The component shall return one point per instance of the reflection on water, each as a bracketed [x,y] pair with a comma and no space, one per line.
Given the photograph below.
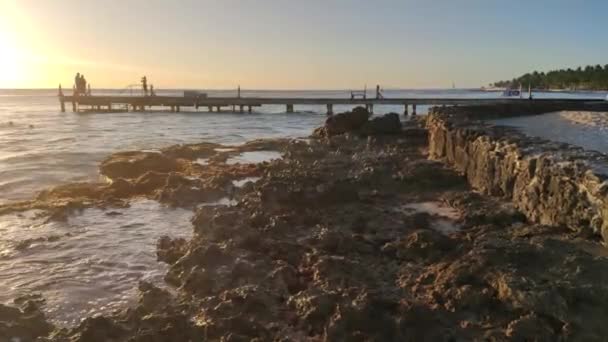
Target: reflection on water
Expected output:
[254,157]
[443,217]
[90,264]
[241,182]
[62,147]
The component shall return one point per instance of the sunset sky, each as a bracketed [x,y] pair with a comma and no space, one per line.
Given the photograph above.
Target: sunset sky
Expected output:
[283,44]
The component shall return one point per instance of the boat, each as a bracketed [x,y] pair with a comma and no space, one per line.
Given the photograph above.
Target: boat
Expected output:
[508,92]
[511,93]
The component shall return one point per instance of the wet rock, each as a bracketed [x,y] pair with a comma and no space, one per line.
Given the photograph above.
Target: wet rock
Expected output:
[150,182]
[26,325]
[367,317]
[121,187]
[136,164]
[314,308]
[386,124]
[530,327]
[549,184]
[170,250]
[344,122]
[422,244]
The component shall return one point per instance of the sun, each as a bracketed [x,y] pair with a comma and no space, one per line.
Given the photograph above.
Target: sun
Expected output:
[11,71]
[9,65]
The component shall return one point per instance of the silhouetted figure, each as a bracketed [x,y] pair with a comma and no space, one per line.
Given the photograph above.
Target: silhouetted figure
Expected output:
[144,85]
[152,93]
[77,83]
[89,89]
[239,92]
[81,84]
[378,92]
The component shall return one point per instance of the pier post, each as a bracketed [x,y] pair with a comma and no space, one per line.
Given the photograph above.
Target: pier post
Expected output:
[241,109]
[109,107]
[210,109]
[330,109]
[249,109]
[413,109]
[172,109]
[289,108]
[61,101]
[219,109]
[74,109]
[370,108]
[178,109]
[234,108]
[405,113]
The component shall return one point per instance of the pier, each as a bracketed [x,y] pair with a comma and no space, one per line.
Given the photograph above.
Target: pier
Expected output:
[246,104]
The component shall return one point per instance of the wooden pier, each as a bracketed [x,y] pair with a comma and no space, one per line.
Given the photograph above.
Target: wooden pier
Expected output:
[246,104]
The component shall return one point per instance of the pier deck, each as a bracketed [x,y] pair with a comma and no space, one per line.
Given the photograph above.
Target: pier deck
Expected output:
[175,103]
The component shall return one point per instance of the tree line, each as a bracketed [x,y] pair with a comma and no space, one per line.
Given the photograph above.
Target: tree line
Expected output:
[587,78]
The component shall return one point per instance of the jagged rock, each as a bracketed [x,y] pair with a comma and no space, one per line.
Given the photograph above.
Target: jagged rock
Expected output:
[386,124]
[170,250]
[136,164]
[23,325]
[549,185]
[344,122]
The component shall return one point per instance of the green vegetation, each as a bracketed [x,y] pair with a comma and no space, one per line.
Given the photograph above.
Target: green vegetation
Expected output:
[588,78]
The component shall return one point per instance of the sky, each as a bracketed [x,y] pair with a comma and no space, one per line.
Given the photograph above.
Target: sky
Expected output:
[285,44]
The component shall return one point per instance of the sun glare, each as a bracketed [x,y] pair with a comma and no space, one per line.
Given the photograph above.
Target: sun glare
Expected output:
[10,66]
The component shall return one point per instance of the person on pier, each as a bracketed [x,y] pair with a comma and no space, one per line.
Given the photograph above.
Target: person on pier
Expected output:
[152,93]
[378,93]
[77,83]
[144,85]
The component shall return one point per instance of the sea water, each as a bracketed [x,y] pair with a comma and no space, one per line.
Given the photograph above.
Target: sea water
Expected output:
[92,263]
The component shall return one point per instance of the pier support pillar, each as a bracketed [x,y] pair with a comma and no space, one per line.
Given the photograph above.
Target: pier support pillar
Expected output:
[172,109]
[74,109]
[234,108]
[330,109]
[405,113]
[241,109]
[370,108]
[210,109]
[178,109]
[249,109]
[219,109]
[62,106]
[289,108]
[109,107]
[413,109]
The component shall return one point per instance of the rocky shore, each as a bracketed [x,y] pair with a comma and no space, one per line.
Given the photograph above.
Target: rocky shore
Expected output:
[593,119]
[551,183]
[353,235]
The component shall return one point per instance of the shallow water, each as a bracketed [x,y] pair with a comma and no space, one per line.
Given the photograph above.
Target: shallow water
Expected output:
[443,217]
[241,182]
[575,128]
[90,264]
[64,147]
[254,157]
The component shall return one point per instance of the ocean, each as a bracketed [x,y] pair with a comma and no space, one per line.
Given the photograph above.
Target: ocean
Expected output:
[92,263]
